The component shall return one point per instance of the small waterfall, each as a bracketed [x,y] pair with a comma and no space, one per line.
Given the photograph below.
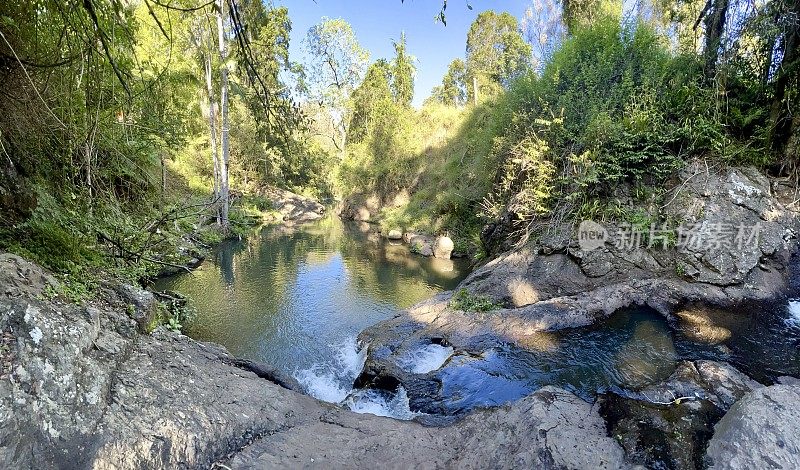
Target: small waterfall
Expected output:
[333,383]
[793,321]
[426,359]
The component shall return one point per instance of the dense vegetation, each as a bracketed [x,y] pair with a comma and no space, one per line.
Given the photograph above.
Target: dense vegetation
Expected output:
[611,110]
[128,128]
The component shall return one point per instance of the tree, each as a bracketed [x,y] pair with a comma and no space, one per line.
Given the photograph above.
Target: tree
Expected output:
[496,52]
[402,73]
[453,90]
[224,190]
[337,63]
[543,28]
[373,93]
[583,13]
[715,13]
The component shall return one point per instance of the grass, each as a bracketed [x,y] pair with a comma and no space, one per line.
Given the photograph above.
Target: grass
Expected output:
[466,301]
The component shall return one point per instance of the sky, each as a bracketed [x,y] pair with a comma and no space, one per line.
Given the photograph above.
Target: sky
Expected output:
[378,22]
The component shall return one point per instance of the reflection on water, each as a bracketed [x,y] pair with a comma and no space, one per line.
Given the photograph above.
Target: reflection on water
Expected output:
[291,298]
[630,350]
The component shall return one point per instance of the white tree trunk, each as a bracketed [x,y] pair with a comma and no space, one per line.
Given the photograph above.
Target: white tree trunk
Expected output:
[223,55]
[212,124]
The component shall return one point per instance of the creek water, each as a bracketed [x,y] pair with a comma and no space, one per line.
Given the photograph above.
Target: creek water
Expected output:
[298,298]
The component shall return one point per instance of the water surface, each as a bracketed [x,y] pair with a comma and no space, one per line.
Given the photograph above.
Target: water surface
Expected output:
[295,297]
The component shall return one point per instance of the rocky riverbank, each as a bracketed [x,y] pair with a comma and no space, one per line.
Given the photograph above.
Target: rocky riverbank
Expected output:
[82,387]
[555,283]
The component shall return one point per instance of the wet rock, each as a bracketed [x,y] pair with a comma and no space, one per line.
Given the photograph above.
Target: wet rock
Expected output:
[660,436]
[761,430]
[669,424]
[443,247]
[717,382]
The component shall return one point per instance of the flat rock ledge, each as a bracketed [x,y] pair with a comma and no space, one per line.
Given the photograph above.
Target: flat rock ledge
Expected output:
[80,387]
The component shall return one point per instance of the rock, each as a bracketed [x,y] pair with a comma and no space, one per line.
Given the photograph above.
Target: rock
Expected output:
[85,389]
[144,303]
[420,244]
[443,247]
[660,436]
[395,234]
[550,429]
[725,382]
[294,208]
[761,430]
[360,207]
[19,277]
[670,423]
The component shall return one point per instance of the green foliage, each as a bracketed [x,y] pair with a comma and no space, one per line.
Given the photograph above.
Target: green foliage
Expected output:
[75,288]
[453,90]
[465,301]
[402,73]
[496,52]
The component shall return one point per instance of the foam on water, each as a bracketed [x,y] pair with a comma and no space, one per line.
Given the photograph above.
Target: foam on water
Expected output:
[332,382]
[381,403]
[793,321]
[426,359]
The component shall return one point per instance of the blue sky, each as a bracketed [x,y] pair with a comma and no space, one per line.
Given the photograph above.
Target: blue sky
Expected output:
[377,22]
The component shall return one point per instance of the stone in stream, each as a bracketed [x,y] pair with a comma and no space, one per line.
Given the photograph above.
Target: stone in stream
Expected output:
[647,357]
[443,247]
[670,423]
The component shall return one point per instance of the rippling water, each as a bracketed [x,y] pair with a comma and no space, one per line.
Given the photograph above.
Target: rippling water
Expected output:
[298,298]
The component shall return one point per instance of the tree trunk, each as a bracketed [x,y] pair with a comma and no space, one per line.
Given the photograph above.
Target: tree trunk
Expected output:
[212,124]
[715,26]
[163,174]
[780,114]
[223,55]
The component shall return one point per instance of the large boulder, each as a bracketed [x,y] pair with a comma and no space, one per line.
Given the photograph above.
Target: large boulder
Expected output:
[728,229]
[761,430]
[294,208]
[19,277]
[443,247]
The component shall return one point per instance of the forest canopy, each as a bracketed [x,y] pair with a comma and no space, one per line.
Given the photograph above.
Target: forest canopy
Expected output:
[113,114]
